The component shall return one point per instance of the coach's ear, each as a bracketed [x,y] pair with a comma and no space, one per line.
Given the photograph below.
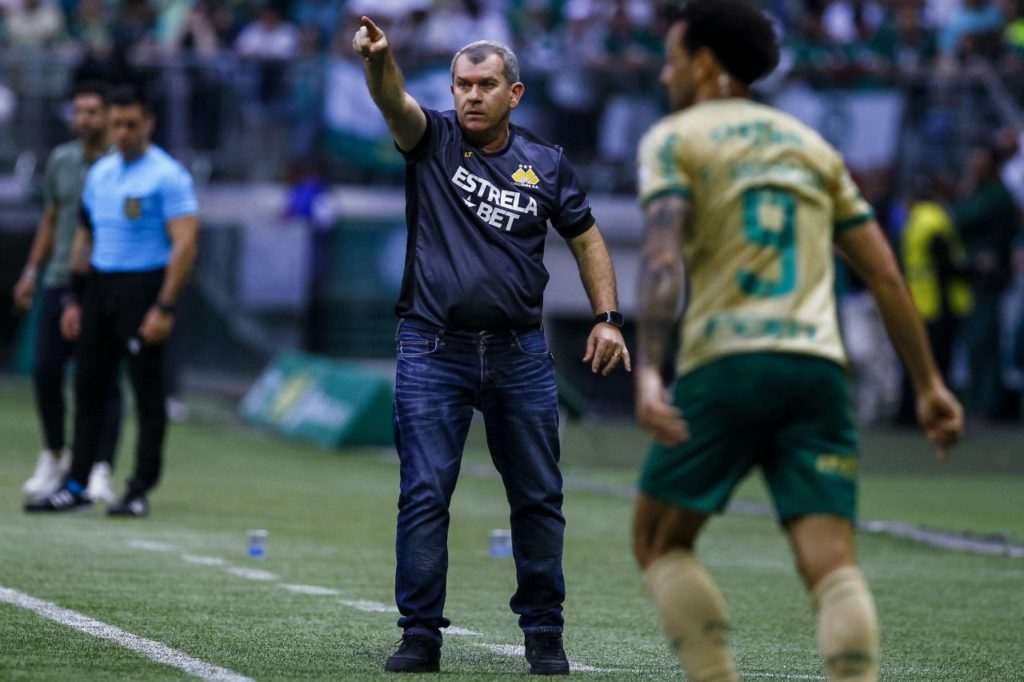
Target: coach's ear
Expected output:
[517,94]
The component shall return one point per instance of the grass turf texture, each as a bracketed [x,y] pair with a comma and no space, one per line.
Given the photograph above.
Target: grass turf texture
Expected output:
[944,616]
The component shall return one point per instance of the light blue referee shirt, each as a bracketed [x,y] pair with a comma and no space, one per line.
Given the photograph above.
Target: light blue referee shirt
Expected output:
[128,205]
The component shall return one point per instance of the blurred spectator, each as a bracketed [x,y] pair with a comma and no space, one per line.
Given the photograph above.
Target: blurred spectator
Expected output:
[935,264]
[454,23]
[574,88]
[198,34]
[1013,34]
[849,21]
[91,28]
[33,24]
[630,63]
[305,94]
[973,28]
[538,58]
[986,219]
[322,15]
[905,41]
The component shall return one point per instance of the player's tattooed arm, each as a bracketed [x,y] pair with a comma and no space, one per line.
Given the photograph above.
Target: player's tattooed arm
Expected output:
[662,278]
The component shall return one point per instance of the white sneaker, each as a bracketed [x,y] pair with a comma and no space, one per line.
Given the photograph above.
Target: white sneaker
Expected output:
[100,488]
[48,474]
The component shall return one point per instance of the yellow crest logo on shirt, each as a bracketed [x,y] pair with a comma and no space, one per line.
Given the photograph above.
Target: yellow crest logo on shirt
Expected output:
[467,154]
[525,177]
[132,208]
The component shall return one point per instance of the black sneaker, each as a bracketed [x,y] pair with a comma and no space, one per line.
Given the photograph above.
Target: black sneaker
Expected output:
[130,505]
[61,501]
[546,655]
[416,654]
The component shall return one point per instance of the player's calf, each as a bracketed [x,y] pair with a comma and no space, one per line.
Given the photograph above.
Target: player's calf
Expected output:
[847,626]
[693,615]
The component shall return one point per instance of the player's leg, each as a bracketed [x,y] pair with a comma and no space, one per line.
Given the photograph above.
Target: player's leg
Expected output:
[812,474]
[101,487]
[847,623]
[145,373]
[52,354]
[97,357]
[680,488]
[692,611]
[133,296]
[520,409]
[434,389]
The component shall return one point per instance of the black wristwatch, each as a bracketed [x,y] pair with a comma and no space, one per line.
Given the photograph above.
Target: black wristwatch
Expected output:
[612,317]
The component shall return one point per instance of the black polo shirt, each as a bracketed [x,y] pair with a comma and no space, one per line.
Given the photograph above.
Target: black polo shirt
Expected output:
[477,224]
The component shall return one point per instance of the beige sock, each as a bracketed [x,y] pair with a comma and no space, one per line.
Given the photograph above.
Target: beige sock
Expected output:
[693,616]
[847,626]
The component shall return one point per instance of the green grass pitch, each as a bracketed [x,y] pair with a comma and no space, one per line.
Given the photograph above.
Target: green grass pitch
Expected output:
[330,516]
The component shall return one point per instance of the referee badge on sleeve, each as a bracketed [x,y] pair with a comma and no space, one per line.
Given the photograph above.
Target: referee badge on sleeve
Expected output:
[132,208]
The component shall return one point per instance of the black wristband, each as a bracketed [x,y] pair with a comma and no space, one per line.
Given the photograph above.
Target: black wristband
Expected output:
[164,307]
[78,284]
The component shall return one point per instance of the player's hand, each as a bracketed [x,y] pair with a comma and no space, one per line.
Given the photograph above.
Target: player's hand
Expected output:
[655,413]
[369,41]
[941,416]
[156,326]
[24,290]
[606,348]
[71,321]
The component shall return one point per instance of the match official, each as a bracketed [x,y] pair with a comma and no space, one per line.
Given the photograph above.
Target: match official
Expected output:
[131,257]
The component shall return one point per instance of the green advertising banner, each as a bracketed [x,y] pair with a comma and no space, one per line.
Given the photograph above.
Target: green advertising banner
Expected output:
[327,402]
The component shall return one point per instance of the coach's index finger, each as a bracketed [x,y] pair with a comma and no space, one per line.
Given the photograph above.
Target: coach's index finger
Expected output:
[373,31]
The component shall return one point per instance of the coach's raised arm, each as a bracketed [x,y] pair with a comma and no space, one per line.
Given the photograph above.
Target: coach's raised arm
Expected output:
[387,86]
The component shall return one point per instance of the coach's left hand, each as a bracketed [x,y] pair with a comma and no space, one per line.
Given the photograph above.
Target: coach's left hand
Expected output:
[606,348]
[157,326]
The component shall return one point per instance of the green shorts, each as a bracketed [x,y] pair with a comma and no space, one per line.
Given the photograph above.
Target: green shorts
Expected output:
[790,414]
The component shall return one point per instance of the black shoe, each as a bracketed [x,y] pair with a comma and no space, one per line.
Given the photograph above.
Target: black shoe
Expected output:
[130,505]
[416,654]
[546,655]
[61,501]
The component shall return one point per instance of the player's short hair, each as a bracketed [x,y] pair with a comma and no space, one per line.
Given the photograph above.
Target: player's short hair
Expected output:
[740,36]
[482,49]
[128,96]
[92,88]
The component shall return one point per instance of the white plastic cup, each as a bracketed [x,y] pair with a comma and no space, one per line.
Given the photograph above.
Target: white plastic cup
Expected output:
[257,543]
[500,543]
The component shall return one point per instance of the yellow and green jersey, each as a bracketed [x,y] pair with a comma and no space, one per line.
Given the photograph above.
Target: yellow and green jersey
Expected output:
[766,195]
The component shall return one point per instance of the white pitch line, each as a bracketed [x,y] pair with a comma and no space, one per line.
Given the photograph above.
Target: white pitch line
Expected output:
[150,546]
[154,651]
[369,606]
[203,560]
[252,573]
[518,651]
[456,630]
[785,676]
[311,589]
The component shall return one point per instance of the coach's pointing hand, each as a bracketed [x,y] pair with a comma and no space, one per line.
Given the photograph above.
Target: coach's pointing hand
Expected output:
[369,40]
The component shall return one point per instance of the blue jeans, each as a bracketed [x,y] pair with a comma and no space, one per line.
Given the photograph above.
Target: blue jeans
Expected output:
[442,376]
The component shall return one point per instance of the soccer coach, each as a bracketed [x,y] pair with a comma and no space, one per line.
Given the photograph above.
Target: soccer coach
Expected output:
[138,237]
[480,194]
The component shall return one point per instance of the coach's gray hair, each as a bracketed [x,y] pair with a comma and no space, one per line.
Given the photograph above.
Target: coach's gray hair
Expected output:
[482,49]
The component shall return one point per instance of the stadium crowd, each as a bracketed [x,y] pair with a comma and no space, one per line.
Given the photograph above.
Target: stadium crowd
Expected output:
[233,76]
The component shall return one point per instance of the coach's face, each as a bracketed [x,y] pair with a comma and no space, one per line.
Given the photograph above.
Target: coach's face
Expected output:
[89,116]
[130,128]
[484,99]
[677,74]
